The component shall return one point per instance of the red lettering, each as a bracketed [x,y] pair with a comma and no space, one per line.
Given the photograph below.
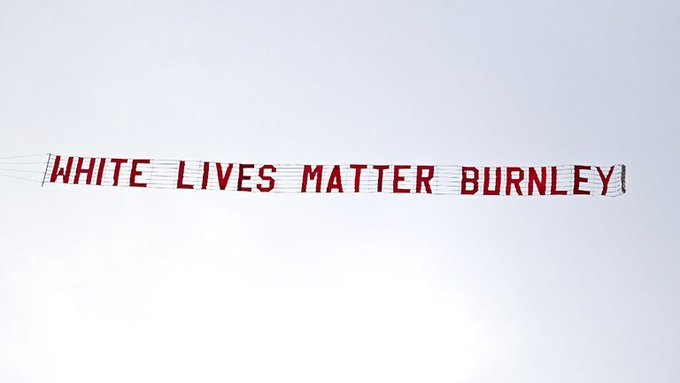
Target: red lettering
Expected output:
[510,181]
[553,186]
[267,178]
[422,180]
[180,177]
[80,170]
[64,173]
[578,180]
[100,170]
[116,170]
[206,174]
[466,180]
[334,182]
[535,181]
[487,176]
[380,169]
[223,178]
[357,175]
[242,177]
[397,178]
[134,173]
[605,179]
[309,174]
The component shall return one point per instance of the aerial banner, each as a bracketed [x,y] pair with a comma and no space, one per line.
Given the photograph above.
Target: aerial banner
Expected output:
[558,180]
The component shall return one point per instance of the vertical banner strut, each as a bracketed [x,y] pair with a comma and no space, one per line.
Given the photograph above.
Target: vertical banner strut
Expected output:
[47,166]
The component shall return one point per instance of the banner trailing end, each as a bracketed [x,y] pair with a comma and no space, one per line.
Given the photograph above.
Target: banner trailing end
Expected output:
[623,179]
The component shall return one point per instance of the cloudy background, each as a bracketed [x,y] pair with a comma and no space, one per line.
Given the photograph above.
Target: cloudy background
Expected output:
[111,285]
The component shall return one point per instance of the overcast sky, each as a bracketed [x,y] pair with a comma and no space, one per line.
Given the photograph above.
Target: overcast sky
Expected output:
[134,285]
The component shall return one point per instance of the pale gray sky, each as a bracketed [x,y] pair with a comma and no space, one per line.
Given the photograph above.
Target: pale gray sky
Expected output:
[111,285]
